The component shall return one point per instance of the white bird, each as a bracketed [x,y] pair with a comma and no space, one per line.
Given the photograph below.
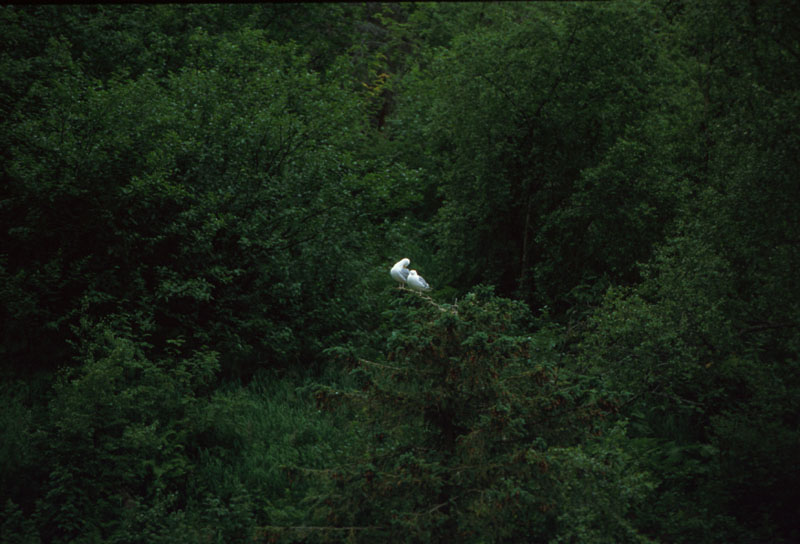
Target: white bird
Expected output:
[415,281]
[399,271]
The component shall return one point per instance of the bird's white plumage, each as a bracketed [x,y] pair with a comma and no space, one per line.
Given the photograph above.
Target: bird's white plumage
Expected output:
[399,271]
[415,281]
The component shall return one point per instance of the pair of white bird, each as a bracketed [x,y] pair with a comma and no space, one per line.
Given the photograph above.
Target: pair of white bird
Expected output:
[405,276]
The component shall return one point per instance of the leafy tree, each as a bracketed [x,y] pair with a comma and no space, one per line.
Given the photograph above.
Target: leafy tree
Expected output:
[117,432]
[538,124]
[222,227]
[192,195]
[706,346]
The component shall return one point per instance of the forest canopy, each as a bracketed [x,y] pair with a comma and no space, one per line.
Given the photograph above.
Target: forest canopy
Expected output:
[200,340]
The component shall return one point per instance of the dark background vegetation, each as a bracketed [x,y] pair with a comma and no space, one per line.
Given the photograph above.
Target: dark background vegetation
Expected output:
[200,340]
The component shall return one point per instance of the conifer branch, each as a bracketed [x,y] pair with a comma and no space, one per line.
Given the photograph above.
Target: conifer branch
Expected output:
[390,367]
[451,309]
[300,528]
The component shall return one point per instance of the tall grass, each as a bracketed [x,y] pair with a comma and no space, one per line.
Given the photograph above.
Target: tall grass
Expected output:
[257,437]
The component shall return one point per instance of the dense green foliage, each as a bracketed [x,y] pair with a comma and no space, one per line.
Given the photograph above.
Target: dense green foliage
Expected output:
[474,430]
[199,338]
